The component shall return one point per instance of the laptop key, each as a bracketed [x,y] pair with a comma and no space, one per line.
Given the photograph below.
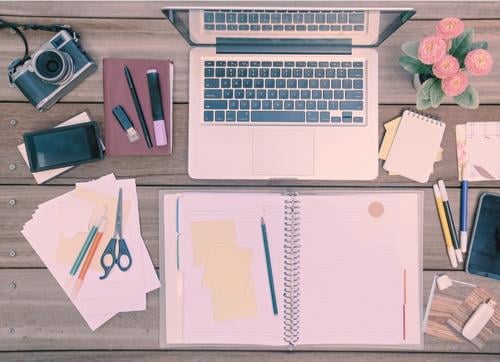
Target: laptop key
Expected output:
[357,18]
[342,18]
[216,104]
[333,105]
[230,116]
[209,27]
[209,72]
[208,17]
[231,18]
[277,116]
[324,116]
[233,104]
[267,104]
[243,116]
[228,93]
[358,119]
[211,83]
[355,73]
[219,116]
[358,84]
[312,116]
[353,94]
[213,93]
[358,28]
[225,83]
[208,116]
[351,105]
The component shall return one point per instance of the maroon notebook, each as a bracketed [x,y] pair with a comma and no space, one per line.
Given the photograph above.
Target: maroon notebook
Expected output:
[117,92]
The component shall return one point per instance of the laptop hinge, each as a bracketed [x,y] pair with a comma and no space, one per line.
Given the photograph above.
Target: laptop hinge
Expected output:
[283,46]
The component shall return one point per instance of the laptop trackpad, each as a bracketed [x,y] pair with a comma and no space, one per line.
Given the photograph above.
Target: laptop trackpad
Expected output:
[287,153]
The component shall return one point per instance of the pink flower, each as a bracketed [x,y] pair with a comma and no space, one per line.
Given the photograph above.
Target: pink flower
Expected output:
[479,62]
[455,85]
[431,49]
[446,67]
[449,28]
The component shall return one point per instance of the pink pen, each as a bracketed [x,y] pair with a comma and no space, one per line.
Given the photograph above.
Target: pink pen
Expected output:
[157,107]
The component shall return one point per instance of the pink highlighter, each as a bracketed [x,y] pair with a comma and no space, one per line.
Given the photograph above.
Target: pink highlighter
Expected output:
[157,107]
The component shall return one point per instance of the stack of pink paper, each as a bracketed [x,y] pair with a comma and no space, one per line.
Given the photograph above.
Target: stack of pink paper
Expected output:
[58,229]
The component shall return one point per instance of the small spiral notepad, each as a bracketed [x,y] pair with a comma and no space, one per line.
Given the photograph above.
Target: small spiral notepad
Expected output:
[417,141]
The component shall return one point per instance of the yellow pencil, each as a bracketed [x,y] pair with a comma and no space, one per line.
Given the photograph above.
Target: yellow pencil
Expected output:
[444,226]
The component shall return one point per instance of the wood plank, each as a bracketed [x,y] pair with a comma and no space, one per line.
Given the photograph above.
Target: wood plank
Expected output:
[151,9]
[158,39]
[43,318]
[161,170]
[227,356]
[28,197]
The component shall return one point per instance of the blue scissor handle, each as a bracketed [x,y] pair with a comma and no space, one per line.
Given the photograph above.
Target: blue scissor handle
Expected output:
[110,250]
[123,253]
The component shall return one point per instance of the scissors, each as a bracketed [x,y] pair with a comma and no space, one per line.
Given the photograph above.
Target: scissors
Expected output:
[109,257]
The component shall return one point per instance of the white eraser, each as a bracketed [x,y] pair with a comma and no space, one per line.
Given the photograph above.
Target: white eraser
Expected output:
[443,282]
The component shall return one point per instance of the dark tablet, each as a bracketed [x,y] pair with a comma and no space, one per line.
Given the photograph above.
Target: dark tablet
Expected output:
[63,146]
[484,252]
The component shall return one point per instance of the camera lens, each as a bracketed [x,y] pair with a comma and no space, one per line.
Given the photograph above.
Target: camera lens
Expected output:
[52,66]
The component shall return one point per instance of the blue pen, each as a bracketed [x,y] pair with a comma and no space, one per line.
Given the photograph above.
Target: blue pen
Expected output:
[464,190]
[269,266]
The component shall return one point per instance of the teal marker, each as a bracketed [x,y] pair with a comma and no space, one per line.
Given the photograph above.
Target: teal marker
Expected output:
[269,266]
[88,241]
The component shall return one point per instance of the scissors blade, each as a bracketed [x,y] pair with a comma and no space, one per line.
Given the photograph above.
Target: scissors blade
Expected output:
[118,223]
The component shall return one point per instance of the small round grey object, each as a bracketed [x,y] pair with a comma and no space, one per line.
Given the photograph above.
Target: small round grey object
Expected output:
[12,166]
[12,286]
[12,31]
[13,122]
[12,202]
[12,330]
[12,253]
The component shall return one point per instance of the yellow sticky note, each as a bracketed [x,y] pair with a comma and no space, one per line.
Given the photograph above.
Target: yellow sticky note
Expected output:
[390,131]
[227,267]
[229,305]
[205,232]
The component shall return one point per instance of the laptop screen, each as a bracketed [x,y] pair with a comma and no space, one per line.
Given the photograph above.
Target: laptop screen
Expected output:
[301,23]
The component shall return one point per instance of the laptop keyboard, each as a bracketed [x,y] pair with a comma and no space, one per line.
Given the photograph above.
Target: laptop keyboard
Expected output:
[281,20]
[284,92]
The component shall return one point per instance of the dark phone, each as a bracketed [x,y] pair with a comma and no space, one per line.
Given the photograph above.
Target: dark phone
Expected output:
[63,146]
[484,253]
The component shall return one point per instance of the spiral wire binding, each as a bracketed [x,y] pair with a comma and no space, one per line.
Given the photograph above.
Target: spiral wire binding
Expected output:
[292,271]
[426,117]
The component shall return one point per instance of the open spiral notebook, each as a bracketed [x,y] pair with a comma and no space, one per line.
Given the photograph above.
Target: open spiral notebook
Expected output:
[347,269]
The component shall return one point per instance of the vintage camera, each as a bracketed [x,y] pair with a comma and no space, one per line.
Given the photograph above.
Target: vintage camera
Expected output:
[53,71]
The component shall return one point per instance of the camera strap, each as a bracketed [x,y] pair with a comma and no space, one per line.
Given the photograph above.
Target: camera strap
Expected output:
[18,27]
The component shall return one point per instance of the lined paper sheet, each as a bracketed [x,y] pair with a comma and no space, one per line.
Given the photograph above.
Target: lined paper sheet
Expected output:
[353,268]
[246,211]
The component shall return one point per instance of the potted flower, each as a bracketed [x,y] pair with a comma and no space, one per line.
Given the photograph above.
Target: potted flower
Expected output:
[442,63]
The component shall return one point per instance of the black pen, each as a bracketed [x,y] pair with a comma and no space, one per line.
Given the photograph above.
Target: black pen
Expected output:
[138,107]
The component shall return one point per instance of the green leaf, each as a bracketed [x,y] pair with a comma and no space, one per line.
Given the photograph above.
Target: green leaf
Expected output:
[410,48]
[461,44]
[468,99]
[436,94]
[413,65]
[423,103]
[479,45]
[423,94]
[425,90]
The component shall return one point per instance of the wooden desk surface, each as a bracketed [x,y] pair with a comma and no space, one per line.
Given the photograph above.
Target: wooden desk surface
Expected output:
[36,319]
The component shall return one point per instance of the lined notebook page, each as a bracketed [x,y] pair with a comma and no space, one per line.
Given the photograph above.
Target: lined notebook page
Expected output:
[353,268]
[415,146]
[246,210]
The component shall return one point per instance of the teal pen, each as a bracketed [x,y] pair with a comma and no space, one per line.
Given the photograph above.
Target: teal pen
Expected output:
[88,241]
[269,266]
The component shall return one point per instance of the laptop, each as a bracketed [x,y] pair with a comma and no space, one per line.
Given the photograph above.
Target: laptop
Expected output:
[283,91]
